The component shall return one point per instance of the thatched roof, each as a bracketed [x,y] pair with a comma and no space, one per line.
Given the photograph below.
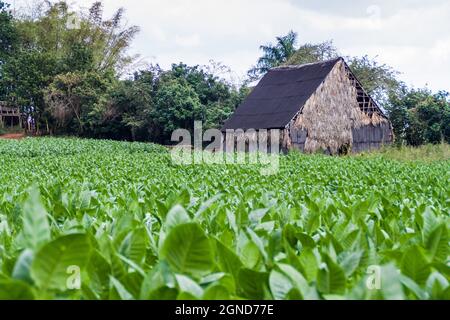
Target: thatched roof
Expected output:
[283,92]
[279,96]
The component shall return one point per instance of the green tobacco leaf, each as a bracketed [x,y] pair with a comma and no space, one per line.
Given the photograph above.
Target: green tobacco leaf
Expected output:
[159,281]
[415,265]
[121,291]
[22,267]
[188,250]
[258,242]
[350,261]
[216,292]
[280,285]
[437,244]
[252,284]
[52,263]
[36,229]
[229,262]
[206,206]
[309,264]
[98,270]
[134,246]
[413,287]
[391,287]
[331,278]
[15,290]
[437,286]
[187,285]
[287,283]
[430,223]
[176,216]
[256,216]
[250,255]
[306,241]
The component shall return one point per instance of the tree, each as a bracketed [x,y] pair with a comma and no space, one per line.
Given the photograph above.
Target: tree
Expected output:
[132,101]
[25,77]
[377,79]
[53,56]
[8,33]
[310,53]
[419,116]
[218,97]
[177,106]
[274,55]
[78,101]
[59,30]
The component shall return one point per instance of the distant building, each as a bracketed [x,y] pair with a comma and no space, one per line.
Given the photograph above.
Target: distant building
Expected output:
[319,107]
[9,117]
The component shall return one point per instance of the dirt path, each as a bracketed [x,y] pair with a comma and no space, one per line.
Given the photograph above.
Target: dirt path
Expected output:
[13,136]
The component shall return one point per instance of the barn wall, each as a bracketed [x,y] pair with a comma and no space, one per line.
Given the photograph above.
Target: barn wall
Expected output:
[369,137]
[298,138]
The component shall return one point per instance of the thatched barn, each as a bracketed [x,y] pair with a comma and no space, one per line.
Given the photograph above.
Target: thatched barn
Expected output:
[318,107]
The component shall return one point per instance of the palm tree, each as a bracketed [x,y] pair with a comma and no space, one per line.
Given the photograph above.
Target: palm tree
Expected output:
[274,55]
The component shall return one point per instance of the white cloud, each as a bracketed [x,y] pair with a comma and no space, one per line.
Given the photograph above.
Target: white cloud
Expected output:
[441,51]
[188,41]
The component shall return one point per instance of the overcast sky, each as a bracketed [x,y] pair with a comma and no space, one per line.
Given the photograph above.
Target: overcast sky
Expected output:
[413,36]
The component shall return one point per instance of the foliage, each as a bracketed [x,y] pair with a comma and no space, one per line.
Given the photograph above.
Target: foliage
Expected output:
[58,49]
[377,79]
[424,153]
[78,101]
[419,116]
[75,37]
[177,105]
[185,94]
[8,33]
[132,104]
[128,224]
[310,53]
[26,75]
[67,77]
[274,55]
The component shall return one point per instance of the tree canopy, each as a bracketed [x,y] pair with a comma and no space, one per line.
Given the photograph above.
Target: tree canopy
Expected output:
[274,55]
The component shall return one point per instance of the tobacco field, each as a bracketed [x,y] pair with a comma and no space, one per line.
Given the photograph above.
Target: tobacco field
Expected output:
[85,219]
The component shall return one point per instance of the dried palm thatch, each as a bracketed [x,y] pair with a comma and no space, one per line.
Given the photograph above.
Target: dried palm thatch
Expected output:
[331,130]
[375,119]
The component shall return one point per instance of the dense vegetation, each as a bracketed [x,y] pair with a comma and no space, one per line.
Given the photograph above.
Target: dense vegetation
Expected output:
[65,70]
[134,226]
[71,73]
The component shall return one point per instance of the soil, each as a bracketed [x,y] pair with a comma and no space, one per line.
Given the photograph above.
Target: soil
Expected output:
[13,136]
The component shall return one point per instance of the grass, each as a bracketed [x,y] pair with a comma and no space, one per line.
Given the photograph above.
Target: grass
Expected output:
[425,153]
